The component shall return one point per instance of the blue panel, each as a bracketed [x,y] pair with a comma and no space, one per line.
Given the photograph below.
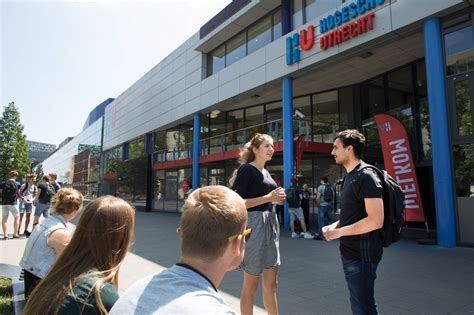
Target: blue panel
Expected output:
[285,17]
[125,149]
[441,146]
[148,143]
[288,155]
[196,140]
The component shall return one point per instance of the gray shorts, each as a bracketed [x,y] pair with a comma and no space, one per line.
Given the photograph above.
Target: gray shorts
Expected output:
[296,212]
[42,209]
[262,249]
[10,208]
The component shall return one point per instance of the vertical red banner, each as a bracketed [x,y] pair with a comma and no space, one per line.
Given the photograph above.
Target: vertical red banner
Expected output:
[399,164]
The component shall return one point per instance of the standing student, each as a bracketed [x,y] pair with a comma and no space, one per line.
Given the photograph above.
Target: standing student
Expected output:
[42,201]
[362,216]
[9,204]
[306,197]
[255,185]
[325,198]
[84,279]
[27,195]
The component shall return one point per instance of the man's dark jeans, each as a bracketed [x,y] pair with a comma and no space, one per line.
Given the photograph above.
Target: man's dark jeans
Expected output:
[322,212]
[360,278]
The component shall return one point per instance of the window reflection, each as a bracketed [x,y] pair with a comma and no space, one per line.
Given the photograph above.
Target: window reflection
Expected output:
[463,108]
[236,49]
[463,166]
[259,34]
[459,50]
[325,116]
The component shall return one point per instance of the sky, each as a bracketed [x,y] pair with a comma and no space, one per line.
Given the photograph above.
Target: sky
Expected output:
[60,59]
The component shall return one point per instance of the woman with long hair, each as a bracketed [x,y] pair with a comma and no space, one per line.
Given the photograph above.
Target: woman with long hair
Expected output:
[49,238]
[262,255]
[84,279]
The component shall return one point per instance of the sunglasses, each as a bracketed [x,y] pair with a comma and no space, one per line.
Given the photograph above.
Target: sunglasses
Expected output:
[246,234]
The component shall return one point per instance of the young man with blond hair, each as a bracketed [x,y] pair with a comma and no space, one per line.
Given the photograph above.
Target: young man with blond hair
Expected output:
[213,232]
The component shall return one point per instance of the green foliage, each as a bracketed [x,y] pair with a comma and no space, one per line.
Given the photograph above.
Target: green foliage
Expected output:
[6,294]
[39,172]
[13,147]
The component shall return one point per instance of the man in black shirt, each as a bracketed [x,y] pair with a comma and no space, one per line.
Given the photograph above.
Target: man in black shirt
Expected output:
[361,218]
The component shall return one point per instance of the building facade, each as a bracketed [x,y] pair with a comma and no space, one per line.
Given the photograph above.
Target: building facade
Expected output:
[39,151]
[300,70]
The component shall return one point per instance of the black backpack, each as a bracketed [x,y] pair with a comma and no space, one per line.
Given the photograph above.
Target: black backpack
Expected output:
[393,206]
[50,192]
[9,192]
[292,197]
[328,194]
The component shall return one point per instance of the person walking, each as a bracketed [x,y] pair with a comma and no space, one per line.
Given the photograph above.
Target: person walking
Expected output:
[53,177]
[294,196]
[213,232]
[27,195]
[49,238]
[325,199]
[9,204]
[362,216]
[84,279]
[262,256]
[42,201]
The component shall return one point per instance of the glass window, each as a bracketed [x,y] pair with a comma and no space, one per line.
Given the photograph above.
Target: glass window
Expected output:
[216,60]
[463,108]
[315,8]
[158,190]
[325,116]
[423,110]
[234,126]
[259,34]
[236,49]
[297,14]
[273,112]
[277,24]
[217,129]
[172,144]
[136,148]
[254,119]
[346,105]
[463,166]
[171,191]
[302,123]
[459,50]
[373,98]
[186,140]
[132,181]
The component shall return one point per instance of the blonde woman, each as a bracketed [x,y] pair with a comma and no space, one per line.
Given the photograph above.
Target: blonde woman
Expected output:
[262,255]
[49,238]
[84,279]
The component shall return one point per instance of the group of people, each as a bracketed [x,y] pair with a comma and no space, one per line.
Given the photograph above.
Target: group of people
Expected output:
[23,199]
[221,229]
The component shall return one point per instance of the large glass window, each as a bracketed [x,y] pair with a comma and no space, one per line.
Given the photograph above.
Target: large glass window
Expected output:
[459,46]
[373,98]
[302,124]
[186,140]
[216,60]
[346,105]
[325,116]
[136,148]
[463,107]
[234,125]
[276,24]
[297,14]
[172,143]
[254,117]
[236,49]
[274,115]
[217,128]
[315,8]
[260,34]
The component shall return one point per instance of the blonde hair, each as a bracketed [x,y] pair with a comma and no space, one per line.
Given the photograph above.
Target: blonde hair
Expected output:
[13,174]
[246,154]
[99,244]
[210,215]
[66,200]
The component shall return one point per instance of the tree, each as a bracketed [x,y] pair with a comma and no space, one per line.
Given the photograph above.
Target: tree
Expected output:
[39,172]
[13,147]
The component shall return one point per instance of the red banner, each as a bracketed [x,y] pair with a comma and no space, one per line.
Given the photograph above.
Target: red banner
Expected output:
[399,164]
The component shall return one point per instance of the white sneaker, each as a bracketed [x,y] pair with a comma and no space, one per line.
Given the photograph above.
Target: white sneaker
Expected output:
[294,235]
[308,235]
[302,234]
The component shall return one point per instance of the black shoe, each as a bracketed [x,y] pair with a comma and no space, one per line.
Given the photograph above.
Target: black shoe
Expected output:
[27,233]
[317,237]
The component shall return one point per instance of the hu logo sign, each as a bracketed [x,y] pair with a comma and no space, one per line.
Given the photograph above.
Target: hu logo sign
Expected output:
[304,40]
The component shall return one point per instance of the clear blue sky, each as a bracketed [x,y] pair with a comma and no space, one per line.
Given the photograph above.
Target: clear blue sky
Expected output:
[59,59]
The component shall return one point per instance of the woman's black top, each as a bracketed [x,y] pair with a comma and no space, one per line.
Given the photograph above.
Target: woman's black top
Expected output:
[251,183]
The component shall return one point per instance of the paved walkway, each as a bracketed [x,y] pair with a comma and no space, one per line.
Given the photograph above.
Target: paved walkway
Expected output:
[412,278]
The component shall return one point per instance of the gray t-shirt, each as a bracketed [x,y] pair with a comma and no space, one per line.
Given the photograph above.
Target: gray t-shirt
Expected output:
[321,190]
[177,290]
